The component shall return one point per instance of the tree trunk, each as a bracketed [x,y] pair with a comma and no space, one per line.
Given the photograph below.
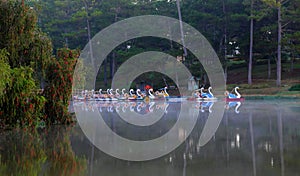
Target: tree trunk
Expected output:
[225,41]
[112,65]
[225,72]
[251,47]
[89,40]
[269,68]
[292,62]
[181,28]
[278,82]
[171,39]
[113,58]
[67,42]
[105,72]
[205,79]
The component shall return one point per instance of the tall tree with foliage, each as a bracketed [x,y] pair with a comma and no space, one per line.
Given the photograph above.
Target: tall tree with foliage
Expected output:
[291,39]
[257,12]
[27,51]
[25,62]
[251,45]
[279,22]
[19,32]
[21,37]
[281,11]
[59,88]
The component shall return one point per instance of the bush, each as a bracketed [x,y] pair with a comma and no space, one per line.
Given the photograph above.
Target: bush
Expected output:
[247,86]
[295,88]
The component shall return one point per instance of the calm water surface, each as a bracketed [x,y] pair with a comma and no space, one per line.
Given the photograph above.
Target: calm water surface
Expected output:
[253,138]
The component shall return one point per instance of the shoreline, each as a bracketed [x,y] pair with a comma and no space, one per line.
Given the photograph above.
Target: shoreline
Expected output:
[271,97]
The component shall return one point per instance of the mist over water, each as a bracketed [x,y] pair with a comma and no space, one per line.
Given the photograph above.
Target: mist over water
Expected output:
[253,138]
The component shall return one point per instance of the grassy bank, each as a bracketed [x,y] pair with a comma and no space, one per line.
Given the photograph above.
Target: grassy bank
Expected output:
[262,86]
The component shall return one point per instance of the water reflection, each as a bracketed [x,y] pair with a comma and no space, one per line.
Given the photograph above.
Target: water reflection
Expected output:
[39,152]
[145,107]
[263,138]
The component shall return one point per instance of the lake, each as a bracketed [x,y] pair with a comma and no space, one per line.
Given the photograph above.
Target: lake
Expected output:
[197,138]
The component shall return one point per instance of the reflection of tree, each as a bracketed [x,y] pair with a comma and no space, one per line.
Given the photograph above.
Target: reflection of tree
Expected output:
[265,137]
[33,153]
[21,153]
[60,156]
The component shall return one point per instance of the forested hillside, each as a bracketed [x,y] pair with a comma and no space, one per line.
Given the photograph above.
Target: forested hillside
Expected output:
[235,28]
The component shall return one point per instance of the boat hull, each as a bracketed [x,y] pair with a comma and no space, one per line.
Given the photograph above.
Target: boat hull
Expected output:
[234,99]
